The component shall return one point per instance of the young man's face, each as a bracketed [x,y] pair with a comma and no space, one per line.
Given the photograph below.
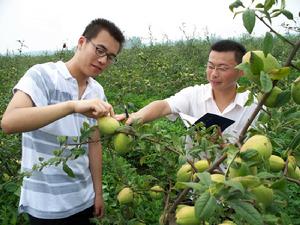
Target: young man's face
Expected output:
[98,53]
[220,71]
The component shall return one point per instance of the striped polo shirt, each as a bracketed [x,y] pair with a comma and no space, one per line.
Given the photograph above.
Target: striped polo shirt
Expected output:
[51,193]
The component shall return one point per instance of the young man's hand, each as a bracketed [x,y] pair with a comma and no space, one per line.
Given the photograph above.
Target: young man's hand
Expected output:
[93,108]
[99,206]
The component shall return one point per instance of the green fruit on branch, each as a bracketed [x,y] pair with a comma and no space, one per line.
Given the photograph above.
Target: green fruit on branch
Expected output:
[156,192]
[297,173]
[186,216]
[248,181]
[292,164]
[263,195]
[276,163]
[270,62]
[217,178]
[272,100]
[184,174]
[201,165]
[261,144]
[125,196]
[122,143]
[107,125]
[296,91]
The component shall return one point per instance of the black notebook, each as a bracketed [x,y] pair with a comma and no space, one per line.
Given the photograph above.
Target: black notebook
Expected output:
[209,119]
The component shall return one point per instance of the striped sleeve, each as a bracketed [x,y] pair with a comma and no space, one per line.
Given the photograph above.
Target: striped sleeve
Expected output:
[36,84]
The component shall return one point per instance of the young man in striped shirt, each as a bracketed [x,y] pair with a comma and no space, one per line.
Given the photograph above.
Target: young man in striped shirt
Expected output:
[54,99]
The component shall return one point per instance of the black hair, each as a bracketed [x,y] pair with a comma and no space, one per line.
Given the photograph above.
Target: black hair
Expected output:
[95,26]
[230,46]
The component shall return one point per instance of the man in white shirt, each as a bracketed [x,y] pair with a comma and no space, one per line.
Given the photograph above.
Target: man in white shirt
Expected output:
[219,96]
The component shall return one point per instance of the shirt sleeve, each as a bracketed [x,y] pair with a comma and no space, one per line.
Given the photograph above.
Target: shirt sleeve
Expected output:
[35,84]
[180,102]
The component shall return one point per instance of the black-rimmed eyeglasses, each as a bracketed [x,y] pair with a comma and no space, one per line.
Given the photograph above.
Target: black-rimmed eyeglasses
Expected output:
[101,51]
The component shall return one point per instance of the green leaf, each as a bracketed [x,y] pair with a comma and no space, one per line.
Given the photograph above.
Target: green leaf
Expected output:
[283,98]
[287,14]
[267,43]
[279,74]
[295,142]
[204,178]
[268,4]
[249,20]
[280,185]
[250,99]
[259,5]
[62,139]
[235,185]
[236,4]
[241,89]
[205,206]
[68,170]
[266,82]
[275,13]
[267,15]
[245,67]
[249,154]
[286,220]
[265,175]
[195,186]
[256,63]
[247,212]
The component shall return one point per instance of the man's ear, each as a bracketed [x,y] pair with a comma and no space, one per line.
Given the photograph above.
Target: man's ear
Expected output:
[80,42]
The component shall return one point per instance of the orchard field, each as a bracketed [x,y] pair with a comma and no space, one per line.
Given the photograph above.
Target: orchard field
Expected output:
[156,71]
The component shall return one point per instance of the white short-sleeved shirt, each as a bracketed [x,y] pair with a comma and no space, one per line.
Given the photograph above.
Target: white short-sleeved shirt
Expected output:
[198,100]
[51,193]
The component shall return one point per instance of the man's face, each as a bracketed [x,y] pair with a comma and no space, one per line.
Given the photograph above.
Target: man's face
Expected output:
[97,54]
[220,71]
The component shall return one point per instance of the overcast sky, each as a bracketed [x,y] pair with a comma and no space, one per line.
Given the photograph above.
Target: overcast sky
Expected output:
[47,24]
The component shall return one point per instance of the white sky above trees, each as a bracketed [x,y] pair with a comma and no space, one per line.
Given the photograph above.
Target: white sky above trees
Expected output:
[47,24]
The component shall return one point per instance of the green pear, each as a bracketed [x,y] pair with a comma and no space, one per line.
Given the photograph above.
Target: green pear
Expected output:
[122,143]
[201,165]
[107,125]
[156,192]
[263,195]
[276,163]
[261,144]
[296,91]
[272,100]
[186,216]
[125,196]
[184,174]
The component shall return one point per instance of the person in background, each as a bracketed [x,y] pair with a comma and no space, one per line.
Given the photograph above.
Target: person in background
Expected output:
[219,96]
[55,99]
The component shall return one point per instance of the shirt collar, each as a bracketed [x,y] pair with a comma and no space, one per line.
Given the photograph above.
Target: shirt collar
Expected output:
[208,93]
[240,98]
[66,73]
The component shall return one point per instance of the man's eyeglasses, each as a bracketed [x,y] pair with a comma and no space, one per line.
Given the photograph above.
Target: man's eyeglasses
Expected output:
[102,52]
[221,69]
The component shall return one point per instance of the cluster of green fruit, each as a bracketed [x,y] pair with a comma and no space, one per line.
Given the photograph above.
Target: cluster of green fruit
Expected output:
[126,195]
[259,62]
[258,149]
[185,215]
[108,126]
